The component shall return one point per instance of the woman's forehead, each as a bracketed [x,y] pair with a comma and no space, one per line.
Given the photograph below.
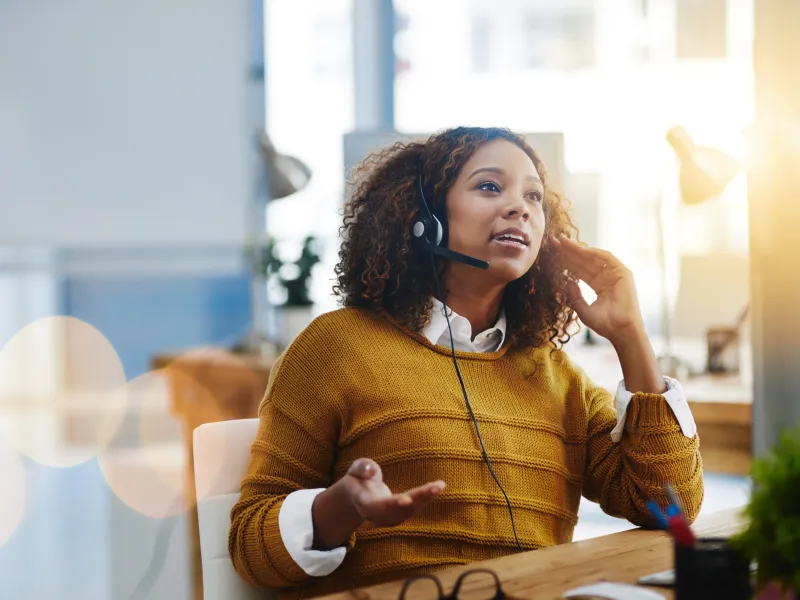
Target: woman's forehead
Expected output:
[503,158]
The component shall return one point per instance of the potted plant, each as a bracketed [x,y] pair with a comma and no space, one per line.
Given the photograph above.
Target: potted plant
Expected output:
[772,536]
[292,279]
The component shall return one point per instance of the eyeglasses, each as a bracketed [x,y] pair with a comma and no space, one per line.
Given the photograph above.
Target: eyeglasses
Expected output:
[475,574]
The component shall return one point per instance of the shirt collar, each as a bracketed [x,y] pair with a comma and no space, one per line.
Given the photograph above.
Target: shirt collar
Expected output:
[435,330]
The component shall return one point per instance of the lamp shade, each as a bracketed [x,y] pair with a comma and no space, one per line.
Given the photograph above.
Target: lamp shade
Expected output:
[286,175]
[704,172]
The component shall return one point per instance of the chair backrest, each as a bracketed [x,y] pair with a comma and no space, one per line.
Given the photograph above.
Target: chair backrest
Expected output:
[221,457]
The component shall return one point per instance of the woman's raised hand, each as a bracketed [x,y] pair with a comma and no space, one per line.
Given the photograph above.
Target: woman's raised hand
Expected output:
[615,314]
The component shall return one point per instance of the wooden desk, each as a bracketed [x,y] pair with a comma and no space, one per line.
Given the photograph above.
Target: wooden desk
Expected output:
[210,385]
[546,574]
[723,410]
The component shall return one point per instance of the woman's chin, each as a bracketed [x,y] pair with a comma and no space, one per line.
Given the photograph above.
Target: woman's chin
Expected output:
[504,267]
[508,270]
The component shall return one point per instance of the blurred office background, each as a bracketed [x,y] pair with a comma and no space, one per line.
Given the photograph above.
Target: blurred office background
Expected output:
[133,188]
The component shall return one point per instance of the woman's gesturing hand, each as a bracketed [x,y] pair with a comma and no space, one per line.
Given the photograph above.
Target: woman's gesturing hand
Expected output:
[375,502]
[361,495]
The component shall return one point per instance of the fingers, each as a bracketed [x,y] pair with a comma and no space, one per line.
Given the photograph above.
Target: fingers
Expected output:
[580,268]
[585,310]
[365,468]
[577,259]
[425,493]
[594,257]
[394,509]
[594,266]
[576,299]
[575,247]
[387,512]
[414,499]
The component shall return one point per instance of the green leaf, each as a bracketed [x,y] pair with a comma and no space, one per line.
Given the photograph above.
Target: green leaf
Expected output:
[772,536]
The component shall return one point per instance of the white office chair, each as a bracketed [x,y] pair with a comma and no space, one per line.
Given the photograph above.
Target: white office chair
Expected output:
[221,457]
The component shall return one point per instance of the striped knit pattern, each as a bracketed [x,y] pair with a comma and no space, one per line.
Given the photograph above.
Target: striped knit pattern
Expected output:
[354,384]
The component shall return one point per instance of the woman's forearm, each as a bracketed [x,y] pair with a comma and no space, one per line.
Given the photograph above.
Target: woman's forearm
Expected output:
[335,518]
[638,361]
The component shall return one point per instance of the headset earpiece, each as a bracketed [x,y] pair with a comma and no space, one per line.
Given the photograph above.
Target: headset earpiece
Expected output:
[427,227]
[428,230]
[431,232]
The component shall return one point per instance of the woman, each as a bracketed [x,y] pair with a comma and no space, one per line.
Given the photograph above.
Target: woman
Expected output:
[368,465]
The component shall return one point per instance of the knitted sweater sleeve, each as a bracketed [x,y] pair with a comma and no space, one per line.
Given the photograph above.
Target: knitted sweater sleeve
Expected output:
[299,425]
[652,453]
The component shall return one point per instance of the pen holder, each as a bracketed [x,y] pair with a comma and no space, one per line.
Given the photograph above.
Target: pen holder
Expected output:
[711,569]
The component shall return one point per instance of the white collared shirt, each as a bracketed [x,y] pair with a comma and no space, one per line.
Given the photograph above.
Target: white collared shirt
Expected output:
[295,520]
[437,332]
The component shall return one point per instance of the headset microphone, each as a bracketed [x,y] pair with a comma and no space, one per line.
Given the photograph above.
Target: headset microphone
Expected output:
[429,233]
[456,256]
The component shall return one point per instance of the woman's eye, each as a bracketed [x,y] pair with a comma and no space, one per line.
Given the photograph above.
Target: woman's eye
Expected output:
[489,186]
[535,196]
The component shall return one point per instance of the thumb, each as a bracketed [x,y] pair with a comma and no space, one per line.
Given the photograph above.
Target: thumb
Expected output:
[365,468]
[576,299]
[578,302]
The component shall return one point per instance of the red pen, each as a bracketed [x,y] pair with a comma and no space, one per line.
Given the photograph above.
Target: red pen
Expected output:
[680,531]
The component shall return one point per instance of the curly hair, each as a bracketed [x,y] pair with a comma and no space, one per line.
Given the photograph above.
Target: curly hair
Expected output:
[382,270]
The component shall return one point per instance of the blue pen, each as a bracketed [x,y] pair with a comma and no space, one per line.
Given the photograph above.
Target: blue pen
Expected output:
[657,514]
[673,511]
[673,498]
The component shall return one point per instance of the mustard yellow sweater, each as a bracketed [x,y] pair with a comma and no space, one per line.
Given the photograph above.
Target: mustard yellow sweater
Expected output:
[354,384]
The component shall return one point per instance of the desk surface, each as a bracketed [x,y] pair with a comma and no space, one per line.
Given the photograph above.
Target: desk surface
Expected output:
[547,573]
[601,364]
[212,355]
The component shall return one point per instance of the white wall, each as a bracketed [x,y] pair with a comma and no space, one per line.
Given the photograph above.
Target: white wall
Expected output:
[124,123]
[126,150]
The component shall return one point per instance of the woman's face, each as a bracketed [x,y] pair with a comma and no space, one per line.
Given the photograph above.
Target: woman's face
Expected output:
[495,210]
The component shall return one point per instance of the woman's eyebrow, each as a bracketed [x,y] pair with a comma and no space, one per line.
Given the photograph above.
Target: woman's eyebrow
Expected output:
[496,170]
[500,171]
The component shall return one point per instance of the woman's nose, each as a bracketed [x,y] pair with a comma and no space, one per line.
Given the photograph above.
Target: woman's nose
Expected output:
[518,209]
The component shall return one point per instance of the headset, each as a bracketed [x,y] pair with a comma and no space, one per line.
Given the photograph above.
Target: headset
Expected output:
[430,232]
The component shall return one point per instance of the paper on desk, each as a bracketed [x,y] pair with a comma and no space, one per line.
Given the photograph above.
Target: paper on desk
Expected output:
[613,591]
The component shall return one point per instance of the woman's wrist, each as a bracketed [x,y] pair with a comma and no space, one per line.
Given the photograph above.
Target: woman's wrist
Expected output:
[334,516]
[632,334]
[638,361]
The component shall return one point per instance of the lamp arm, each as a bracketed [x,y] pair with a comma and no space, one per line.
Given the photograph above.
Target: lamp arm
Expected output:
[666,312]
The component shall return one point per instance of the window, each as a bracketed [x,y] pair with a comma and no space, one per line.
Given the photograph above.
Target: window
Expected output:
[481,45]
[309,108]
[570,67]
[701,30]
[564,41]
[331,47]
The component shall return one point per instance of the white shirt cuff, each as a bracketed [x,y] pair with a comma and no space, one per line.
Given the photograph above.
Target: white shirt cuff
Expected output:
[297,532]
[675,398]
